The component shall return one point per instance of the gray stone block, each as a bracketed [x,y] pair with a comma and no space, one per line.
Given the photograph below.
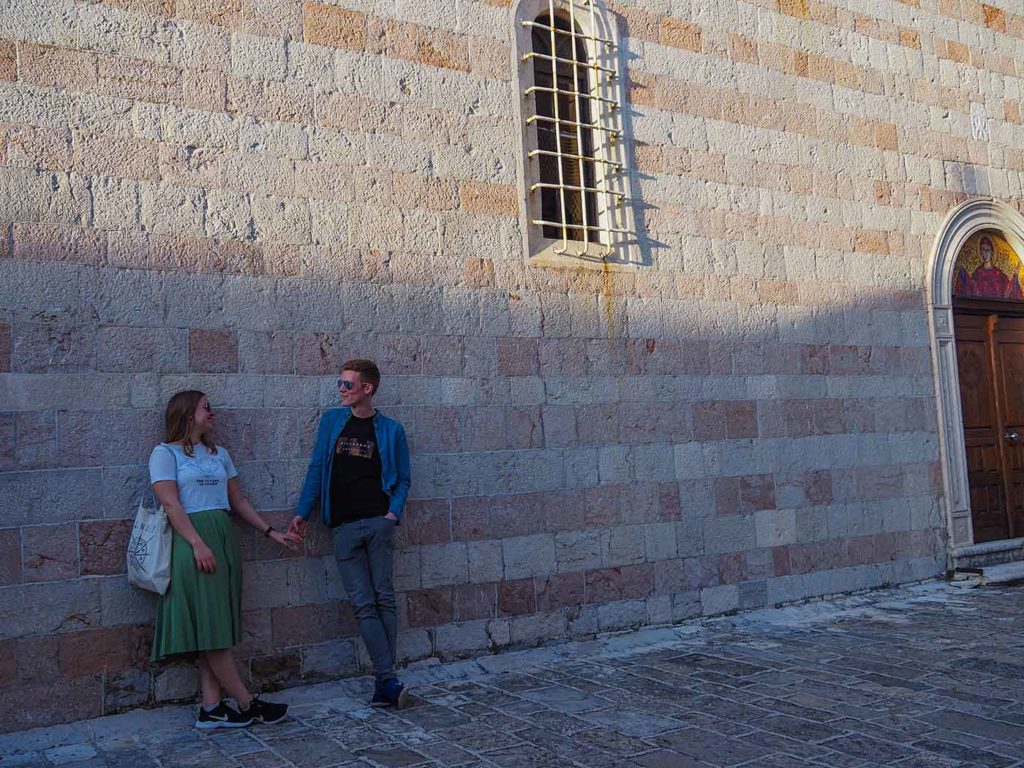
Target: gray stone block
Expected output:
[729,533]
[51,608]
[526,556]
[660,541]
[537,628]
[718,600]
[177,683]
[623,545]
[485,561]
[578,550]
[443,564]
[686,605]
[625,614]
[337,658]
[50,496]
[123,604]
[457,640]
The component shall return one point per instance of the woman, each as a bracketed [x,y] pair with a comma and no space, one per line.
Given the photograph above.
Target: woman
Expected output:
[196,483]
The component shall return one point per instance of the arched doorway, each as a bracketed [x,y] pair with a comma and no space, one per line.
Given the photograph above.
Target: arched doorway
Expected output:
[977,321]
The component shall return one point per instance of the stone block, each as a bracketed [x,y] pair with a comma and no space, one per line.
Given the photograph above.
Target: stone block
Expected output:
[53,67]
[6,344]
[49,553]
[474,601]
[334,659]
[528,556]
[718,600]
[138,350]
[430,607]
[102,545]
[257,58]
[97,650]
[414,644]
[10,556]
[729,533]
[333,26]
[299,625]
[444,564]
[176,683]
[281,219]
[627,614]
[517,357]
[212,351]
[516,598]
[43,609]
[126,690]
[578,550]
[623,545]
[562,590]
[275,670]
[122,604]
[485,561]
[538,628]
[457,640]
[172,210]
[48,348]
[660,541]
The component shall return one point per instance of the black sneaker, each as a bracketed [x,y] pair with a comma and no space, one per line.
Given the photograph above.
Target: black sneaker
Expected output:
[222,716]
[266,711]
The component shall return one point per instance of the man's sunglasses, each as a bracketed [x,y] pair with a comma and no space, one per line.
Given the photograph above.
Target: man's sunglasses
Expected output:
[348,386]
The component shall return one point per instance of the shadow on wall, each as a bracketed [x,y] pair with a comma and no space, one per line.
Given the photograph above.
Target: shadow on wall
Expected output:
[583,462]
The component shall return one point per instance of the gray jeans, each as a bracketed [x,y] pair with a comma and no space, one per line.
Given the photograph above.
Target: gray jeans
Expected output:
[364,552]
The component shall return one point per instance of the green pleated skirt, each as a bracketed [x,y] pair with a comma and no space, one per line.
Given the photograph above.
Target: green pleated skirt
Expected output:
[201,611]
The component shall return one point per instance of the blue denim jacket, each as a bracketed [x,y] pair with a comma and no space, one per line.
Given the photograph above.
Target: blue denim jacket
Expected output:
[394,459]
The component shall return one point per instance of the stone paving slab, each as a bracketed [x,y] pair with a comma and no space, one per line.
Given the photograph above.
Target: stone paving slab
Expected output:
[929,676]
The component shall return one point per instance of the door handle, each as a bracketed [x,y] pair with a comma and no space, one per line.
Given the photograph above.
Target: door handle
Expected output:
[1013,437]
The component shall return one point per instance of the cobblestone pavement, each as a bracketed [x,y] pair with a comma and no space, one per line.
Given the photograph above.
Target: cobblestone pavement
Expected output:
[930,675]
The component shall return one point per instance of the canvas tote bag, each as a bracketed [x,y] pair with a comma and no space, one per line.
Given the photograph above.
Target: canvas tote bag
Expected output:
[149,548]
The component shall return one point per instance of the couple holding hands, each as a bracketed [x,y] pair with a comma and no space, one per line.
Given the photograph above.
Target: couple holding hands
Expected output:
[358,477]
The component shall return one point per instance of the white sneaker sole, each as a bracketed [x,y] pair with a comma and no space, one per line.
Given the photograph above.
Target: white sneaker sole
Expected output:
[211,725]
[403,698]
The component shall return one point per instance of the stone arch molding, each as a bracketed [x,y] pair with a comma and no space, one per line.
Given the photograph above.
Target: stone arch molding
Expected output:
[962,222]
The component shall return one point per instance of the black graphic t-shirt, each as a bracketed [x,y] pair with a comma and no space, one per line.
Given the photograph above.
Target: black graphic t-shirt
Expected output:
[356,490]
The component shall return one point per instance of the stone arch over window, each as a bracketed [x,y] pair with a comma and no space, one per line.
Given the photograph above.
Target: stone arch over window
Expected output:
[965,221]
[574,179]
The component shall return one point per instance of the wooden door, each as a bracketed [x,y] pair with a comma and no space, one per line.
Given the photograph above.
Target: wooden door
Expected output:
[990,359]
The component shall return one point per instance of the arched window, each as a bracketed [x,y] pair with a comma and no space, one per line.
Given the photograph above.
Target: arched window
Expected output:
[576,184]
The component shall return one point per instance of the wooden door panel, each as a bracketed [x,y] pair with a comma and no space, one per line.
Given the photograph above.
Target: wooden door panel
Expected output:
[1009,342]
[986,469]
[975,389]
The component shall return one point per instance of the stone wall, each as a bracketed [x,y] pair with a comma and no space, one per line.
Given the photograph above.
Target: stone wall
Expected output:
[234,196]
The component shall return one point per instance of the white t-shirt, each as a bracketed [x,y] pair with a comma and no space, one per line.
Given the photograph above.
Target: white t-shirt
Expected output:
[202,478]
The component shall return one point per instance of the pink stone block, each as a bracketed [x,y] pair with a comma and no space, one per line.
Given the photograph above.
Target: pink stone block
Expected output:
[49,553]
[212,351]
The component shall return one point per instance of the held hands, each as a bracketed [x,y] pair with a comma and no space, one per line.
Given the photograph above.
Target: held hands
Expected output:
[297,528]
[286,539]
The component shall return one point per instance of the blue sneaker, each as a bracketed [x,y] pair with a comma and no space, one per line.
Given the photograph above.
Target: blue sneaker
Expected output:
[390,693]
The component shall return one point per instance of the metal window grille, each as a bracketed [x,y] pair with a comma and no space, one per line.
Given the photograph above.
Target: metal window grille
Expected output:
[577,198]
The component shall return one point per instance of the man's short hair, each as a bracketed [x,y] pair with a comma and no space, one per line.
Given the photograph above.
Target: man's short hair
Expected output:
[368,371]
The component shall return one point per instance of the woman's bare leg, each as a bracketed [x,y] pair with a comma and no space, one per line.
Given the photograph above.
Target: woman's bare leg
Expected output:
[208,683]
[222,664]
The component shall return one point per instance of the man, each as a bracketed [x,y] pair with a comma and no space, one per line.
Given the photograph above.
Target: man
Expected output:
[359,476]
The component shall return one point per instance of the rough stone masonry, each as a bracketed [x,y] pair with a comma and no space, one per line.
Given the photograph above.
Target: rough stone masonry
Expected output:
[234,195]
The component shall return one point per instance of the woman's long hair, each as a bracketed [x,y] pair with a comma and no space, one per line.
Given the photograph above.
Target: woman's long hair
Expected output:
[178,420]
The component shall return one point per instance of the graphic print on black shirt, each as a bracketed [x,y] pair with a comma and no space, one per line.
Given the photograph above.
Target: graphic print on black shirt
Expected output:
[356,488]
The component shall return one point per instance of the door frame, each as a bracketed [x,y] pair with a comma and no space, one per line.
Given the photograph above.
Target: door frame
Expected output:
[961,222]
